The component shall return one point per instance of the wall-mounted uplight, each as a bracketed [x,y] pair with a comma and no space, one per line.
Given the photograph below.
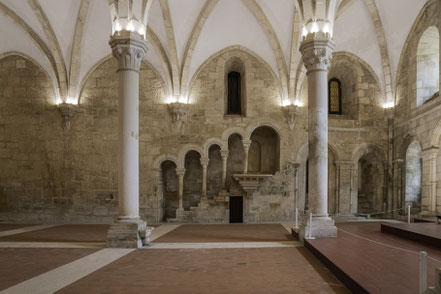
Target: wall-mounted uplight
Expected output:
[387,105]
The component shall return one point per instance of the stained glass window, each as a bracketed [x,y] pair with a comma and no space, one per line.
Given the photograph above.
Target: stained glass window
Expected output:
[334,96]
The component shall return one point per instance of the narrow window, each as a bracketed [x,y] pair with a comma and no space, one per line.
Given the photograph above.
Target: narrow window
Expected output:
[334,98]
[234,99]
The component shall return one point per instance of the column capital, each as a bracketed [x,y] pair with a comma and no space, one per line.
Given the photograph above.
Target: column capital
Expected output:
[225,153]
[204,161]
[317,51]
[180,172]
[430,152]
[246,144]
[129,48]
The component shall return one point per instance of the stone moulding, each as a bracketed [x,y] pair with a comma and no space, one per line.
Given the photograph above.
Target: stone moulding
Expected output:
[250,182]
[291,113]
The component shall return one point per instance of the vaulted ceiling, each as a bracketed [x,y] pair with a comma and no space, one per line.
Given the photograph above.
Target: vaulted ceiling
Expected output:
[68,38]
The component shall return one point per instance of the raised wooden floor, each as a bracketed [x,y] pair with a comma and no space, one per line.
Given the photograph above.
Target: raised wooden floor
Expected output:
[369,261]
[426,233]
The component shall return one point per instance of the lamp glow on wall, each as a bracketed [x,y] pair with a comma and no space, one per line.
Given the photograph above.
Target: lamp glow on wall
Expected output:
[67,110]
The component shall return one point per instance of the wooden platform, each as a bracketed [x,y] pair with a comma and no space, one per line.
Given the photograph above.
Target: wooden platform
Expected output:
[367,260]
[426,233]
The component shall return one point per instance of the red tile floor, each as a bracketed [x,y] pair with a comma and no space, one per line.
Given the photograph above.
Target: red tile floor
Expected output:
[263,270]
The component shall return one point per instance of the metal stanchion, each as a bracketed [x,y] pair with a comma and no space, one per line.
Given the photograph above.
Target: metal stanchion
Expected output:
[297,218]
[408,214]
[310,227]
[423,271]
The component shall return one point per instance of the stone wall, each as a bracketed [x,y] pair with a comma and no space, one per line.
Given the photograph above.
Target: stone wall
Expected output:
[77,171]
[417,123]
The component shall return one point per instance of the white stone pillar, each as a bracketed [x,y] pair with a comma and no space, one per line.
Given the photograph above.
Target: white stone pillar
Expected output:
[316,51]
[246,147]
[129,49]
[204,163]
[181,174]
[224,154]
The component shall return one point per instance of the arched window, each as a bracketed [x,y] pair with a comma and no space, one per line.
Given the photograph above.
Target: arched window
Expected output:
[334,96]
[234,97]
[427,83]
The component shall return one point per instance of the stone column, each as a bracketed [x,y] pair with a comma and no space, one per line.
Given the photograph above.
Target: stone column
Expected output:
[428,191]
[204,163]
[224,154]
[398,186]
[181,173]
[129,49]
[316,51]
[246,147]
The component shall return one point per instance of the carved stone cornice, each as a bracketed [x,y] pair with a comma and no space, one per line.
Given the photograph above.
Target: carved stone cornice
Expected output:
[317,51]
[129,49]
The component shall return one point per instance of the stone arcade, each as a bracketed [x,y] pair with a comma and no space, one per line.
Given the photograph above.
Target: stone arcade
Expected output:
[218,112]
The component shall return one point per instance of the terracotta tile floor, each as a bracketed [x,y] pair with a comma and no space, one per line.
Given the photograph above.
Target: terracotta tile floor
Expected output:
[7,227]
[227,233]
[20,264]
[63,233]
[378,268]
[263,270]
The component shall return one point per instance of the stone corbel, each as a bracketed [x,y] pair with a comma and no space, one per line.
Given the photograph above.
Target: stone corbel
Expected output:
[389,113]
[67,111]
[291,113]
[178,111]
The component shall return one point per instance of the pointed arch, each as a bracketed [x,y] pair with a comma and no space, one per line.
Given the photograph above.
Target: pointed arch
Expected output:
[191,43]
[76,48]
[173,61]
[382,43]
[54,46]
[34,37]
[273,40]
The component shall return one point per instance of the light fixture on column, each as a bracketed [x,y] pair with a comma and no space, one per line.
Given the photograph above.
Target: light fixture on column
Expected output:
[291,112]
[67,111]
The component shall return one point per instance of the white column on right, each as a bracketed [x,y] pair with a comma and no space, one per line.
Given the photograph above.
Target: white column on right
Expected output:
[316,51]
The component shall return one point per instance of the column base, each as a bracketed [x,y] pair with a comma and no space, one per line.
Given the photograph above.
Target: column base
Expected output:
[321,227]
[128,233]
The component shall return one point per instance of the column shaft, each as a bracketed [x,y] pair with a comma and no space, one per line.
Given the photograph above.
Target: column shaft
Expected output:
[224,154]
[128,160]
[318,141]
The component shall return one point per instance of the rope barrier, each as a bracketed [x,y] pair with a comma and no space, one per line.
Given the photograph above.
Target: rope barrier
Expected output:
[387,245]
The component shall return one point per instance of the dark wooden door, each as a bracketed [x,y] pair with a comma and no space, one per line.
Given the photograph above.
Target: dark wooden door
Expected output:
[236,209]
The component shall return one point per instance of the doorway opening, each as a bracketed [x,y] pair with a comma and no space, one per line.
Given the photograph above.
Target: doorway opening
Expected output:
[236,209]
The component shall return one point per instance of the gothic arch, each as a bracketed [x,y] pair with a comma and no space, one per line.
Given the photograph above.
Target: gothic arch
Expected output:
[213,141]
[221,64]
[164,157]
[184,150]
[22,55]
[365,149]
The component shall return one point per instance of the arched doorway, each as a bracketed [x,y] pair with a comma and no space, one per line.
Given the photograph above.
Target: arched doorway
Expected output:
[192,180]
[169,189]
[413,175]
[370,185]
[264,153]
